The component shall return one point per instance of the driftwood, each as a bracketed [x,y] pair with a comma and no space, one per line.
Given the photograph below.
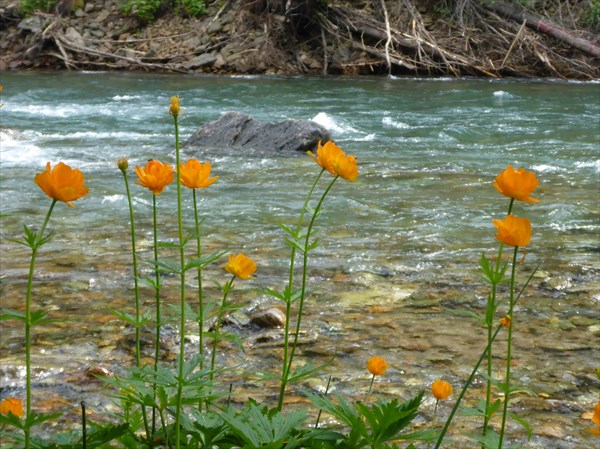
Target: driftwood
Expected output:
[538,24]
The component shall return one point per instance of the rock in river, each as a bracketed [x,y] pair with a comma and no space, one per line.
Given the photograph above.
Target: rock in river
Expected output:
[237,130]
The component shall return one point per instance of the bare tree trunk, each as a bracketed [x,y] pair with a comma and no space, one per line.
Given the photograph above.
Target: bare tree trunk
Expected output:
[538,24]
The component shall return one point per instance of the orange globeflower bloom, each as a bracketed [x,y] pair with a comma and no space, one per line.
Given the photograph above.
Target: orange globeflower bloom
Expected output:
[513,231]
[334,160]
[12,405]
[175,106]
[345,167]
[196,175]
[505,321]
[155,176]
[441,389]
[241,266]
[377,365]
[517,184]
[62,183]
[596,419]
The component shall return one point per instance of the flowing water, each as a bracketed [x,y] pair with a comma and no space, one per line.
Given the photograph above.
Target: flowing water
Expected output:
[398,251]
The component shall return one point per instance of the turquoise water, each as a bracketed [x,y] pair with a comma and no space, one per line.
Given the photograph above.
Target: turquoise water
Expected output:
[418,217]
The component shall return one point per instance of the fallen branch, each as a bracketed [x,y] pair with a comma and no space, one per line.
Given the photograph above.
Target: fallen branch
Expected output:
[538,24]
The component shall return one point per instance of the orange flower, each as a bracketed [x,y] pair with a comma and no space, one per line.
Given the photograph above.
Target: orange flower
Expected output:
[441,389]
[241,266]
[513,231]
[155,176]
[505,321]
[334,160]
[596,420]
[175,106]
[12,405]
[62,183]
[517,184]
[377,365]
[195,175]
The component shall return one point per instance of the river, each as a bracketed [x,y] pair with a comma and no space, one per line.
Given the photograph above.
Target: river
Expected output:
[399,248]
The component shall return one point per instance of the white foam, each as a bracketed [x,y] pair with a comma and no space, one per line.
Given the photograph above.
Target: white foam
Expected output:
[391,123]
[331,124]
[502,94]
[15,149]
[547,168]
[112,198]
[125,97]
[588,164]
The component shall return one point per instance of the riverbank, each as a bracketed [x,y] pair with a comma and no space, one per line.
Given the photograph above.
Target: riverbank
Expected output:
[342,38]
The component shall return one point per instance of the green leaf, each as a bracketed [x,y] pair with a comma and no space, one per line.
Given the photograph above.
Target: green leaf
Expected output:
[11,420]
[202,262]
[168,266]
[469,313]
[100,435]
[8,314]
[524,423]
[128,318]
[293,234]
[299,246]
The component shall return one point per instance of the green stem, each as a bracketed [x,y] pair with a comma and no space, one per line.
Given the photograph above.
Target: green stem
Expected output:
[371,384]
[135,274]
[200,302]
[490,324]
[288,369]
[34,249]
[290,285]
[83,426]
[182,292]
[508,348]
[321,410]
[158,311]
[215,342]
[464,390]
[138,352]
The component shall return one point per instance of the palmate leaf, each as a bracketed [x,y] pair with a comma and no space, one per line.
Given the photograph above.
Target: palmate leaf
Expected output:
[343,411]
[260,427]
[387,419]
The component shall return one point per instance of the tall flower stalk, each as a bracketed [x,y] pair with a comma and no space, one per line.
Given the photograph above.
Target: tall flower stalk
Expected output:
[155,176]
[61,183]
[174,111]
[123,166]
[515,232]
[517,185]
[195,175]
[333,159]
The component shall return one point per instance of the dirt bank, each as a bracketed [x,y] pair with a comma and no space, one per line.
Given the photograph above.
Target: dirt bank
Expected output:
[401,37]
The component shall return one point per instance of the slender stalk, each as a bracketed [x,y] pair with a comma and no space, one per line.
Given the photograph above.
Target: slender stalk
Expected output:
[288,307]
[464,390]
[371,384]
[226,289]
[138,352]
[182,291]
[83,426]
[490,324]
[508,348]
[34,249]
[158,306]
[200,302]
[321,410]
[164,426]
[288,369]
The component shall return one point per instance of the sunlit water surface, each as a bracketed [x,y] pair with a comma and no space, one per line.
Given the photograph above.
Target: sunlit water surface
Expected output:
[398,250]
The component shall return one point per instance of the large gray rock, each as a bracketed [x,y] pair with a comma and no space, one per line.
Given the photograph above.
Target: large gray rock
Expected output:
[237,130]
